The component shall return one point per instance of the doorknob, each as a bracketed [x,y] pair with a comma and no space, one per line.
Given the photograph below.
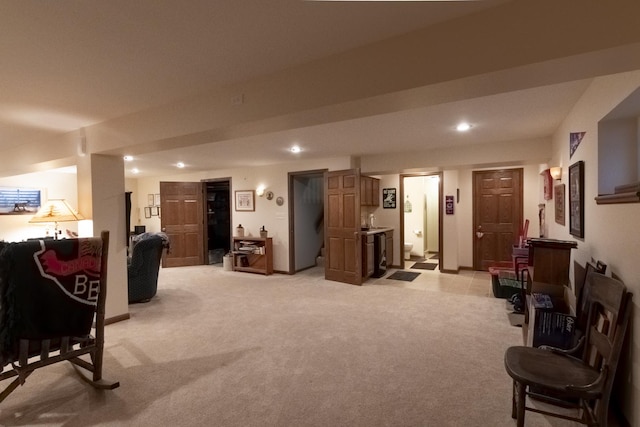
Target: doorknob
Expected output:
[479,233]
[164,229]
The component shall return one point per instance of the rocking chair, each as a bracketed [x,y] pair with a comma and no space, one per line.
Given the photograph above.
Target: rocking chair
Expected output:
[581,377]
[52,294]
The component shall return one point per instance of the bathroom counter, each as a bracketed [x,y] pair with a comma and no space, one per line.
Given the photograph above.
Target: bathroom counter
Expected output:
[375,230]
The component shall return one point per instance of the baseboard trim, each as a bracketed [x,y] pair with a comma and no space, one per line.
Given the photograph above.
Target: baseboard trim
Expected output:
[116,319]
[450,271]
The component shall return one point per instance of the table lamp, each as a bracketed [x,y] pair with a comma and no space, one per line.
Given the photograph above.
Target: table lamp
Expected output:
[56,210]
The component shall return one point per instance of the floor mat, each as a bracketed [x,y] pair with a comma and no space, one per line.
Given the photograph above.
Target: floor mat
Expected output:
[424,266]
[406,276]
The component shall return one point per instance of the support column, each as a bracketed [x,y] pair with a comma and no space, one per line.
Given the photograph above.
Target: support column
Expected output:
[101,199]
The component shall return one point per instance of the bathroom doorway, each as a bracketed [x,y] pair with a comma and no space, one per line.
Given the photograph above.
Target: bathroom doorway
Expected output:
[421,221]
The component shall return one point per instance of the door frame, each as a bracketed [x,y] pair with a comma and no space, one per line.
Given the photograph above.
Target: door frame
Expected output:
[204,213]
[292,245]
[400,203]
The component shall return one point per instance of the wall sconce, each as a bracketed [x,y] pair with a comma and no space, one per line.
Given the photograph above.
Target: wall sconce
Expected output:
[556,172]
[260,190]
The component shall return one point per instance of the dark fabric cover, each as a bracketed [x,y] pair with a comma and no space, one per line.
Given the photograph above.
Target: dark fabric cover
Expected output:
[144,266]
[48,289]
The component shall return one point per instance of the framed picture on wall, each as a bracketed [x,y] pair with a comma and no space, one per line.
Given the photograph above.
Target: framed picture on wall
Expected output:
[389,198]
[147,212]
[558,195]
[576,199]
[245,200]
[150,199]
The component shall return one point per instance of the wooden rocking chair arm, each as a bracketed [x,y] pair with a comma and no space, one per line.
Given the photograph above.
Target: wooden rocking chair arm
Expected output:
[595,386]
[565,352]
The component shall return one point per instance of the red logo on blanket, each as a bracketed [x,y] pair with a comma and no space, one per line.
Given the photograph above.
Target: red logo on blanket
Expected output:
[77,275]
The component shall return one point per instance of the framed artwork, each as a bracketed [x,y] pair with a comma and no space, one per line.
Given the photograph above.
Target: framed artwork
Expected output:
[388,198]
[448,205]
[558,195]
[147,212]
[156,199]
[150,199]
[155,210]
[576,199]
[245,200]
[547,183]
[16,201]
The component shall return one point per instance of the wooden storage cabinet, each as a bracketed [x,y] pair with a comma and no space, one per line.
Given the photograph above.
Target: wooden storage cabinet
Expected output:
[369,191]
[253,254]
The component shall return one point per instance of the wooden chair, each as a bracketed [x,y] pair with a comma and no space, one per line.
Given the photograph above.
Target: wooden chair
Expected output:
[52,294]
[581,377]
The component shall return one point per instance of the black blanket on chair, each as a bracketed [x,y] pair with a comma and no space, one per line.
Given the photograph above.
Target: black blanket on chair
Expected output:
[48,289]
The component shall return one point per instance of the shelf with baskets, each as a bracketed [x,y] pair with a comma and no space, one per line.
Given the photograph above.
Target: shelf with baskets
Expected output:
[253,254]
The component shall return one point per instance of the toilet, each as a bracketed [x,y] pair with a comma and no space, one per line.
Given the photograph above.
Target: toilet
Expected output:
[407,250]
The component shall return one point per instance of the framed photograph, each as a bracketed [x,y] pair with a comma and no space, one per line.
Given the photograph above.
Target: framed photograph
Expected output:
[156,199]
[147,212]
[558,195]
[576,199]
[155,210]
[389,198]
[150,199]
[245,200]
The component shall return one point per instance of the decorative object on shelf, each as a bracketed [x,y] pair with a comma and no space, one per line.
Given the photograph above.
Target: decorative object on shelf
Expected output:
[56,210]
[245,200]
[388,198]
[269,195]
[407,205]
[576,199]
[559,203]
[240,230]
[263,232]
[575,138]
[279,201]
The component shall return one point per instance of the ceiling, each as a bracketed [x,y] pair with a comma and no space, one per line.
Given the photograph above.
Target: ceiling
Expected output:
[69,64]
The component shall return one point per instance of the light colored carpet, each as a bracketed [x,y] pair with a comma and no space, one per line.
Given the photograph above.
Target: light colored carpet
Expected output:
[218,348]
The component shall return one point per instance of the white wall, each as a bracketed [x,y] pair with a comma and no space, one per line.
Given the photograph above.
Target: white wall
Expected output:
[611,231]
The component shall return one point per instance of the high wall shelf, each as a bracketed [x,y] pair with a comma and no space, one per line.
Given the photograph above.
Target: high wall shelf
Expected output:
[253,254]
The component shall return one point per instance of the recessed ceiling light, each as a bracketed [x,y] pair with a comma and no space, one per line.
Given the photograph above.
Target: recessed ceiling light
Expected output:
[463,127]
[128,158]
[180,165]
[135,170]
[295,149]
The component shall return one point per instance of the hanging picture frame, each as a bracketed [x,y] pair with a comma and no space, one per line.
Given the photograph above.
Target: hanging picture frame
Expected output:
[245,200]
[388,198]
[558,195]
[576,199]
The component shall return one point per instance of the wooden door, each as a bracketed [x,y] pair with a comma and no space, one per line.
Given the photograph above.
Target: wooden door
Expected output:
[342,226]
[182,218]
[497,215]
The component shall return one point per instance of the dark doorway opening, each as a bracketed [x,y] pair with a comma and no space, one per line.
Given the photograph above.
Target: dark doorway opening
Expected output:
[218,219]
